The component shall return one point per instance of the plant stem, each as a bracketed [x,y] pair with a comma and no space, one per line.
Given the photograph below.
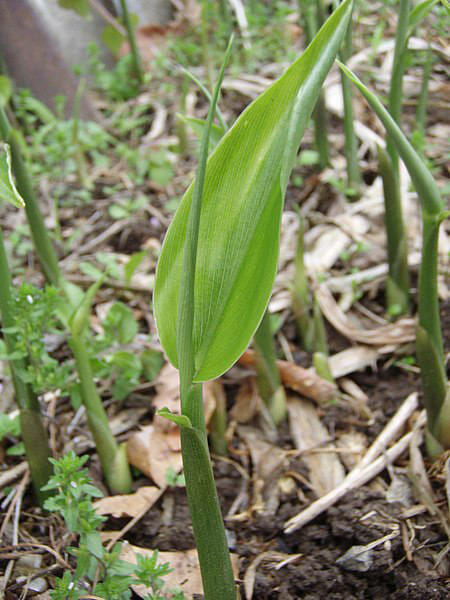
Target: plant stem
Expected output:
[41,240]
[137,64]
[351,146]
[115,466]
[301,304]
[397,284]
[32,428]
[429,345]
[209,530]
[310,11]
[112,456]
[422,104]
[396,84]
[268,377]
[218,425]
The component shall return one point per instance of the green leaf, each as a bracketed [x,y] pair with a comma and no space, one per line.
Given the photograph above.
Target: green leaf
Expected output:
[180,420]
[5,90]
[418,13]
[246,178]
[112,38]
[121,324]
[79,6]
[197,126]
[8,190]
[132,264]
[152,361]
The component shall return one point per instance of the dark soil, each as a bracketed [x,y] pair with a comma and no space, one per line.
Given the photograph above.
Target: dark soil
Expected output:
[360,518]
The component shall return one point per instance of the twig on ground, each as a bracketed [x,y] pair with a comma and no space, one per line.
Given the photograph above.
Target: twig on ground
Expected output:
[370,465]
[12,474]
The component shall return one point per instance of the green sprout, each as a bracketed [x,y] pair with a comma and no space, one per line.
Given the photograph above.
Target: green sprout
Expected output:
[74,316]
[31,425]
[429,345]
[225,235]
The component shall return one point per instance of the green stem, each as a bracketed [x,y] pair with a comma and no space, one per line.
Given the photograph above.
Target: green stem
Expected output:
[397,285]
[41,239]
[422,104]
[137,64]
[112,456]
[351,145]
[320,333]
[76,146]
[301,303]
[209,530]
[428,298]
[322,366]
[268,377]
[396,84]
[429,344]
[218,426]
[207,522]
[32,428]
[310,14]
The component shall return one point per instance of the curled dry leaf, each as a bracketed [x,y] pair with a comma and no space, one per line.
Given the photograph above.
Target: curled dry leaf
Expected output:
[128,505]
[298,379]
[399,332]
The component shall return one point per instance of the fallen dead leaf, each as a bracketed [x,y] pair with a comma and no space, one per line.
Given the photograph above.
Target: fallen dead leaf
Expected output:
[154,451]
[268,461]
[128,505]
[245,406]
[186,569]
[308,433]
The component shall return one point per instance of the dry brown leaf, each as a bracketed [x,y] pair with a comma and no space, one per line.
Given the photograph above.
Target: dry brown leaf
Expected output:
[128,505]
[269,461]
[154,451]
[246,404]
[308,433]
[186,570]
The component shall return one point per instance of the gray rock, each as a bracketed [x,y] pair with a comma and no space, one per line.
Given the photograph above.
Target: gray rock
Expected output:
[40,43]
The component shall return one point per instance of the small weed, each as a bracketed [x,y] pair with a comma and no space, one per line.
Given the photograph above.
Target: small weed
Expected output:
[73,493]
[174,479]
